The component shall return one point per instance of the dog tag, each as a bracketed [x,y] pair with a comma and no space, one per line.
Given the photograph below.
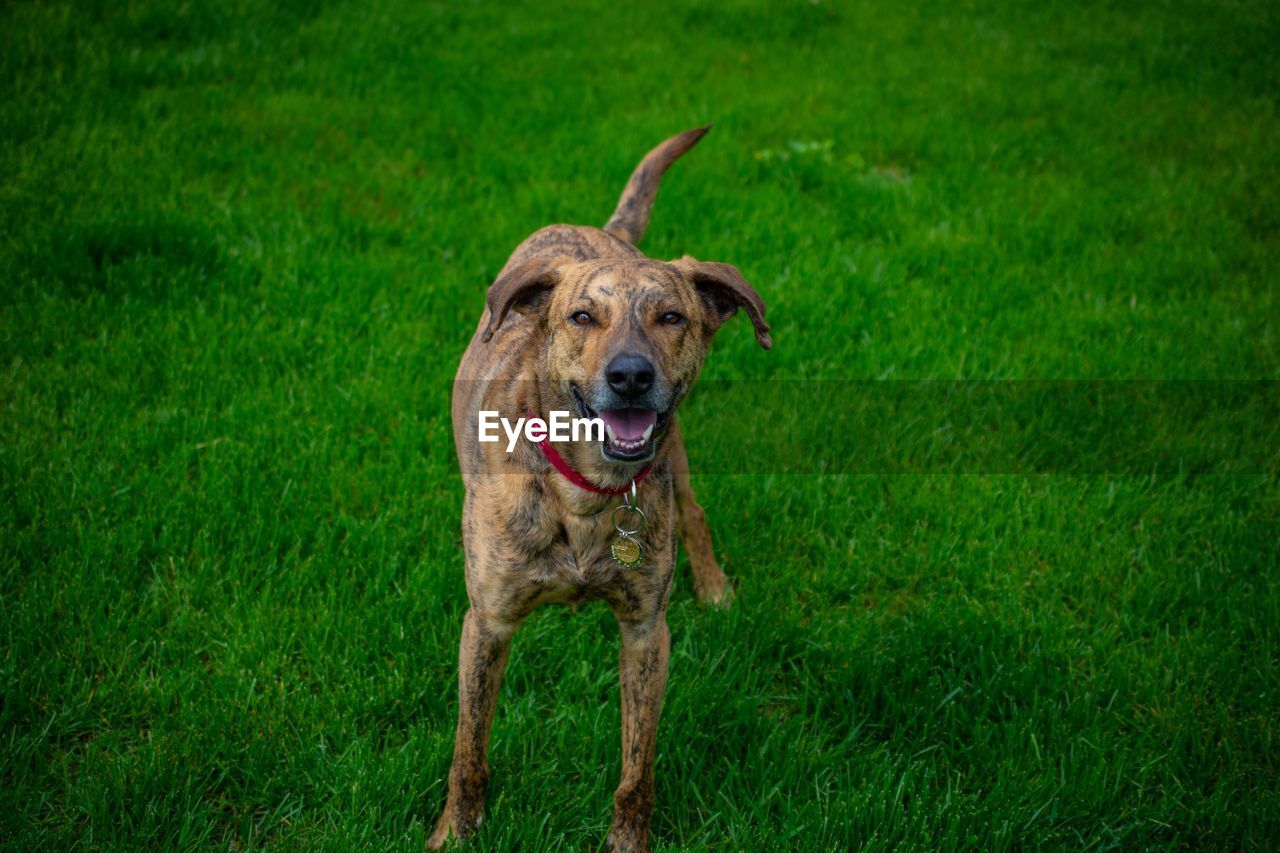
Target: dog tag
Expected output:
[626,551]
[626,548]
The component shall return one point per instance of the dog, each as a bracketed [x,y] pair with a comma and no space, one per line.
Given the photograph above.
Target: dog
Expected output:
[579,320]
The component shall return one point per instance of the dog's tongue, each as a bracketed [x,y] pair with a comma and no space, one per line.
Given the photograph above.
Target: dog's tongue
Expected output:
[629,424]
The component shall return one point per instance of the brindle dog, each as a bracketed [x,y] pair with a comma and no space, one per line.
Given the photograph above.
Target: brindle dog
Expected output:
[580,321]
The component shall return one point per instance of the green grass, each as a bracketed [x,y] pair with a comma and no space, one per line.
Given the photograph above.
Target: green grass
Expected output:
[243,249]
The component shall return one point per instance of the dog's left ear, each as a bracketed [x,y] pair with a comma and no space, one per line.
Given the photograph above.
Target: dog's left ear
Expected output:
[723,290]
[523,288]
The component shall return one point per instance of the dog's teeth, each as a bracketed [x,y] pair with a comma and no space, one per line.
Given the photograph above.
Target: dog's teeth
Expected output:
[648,431]
[613,436]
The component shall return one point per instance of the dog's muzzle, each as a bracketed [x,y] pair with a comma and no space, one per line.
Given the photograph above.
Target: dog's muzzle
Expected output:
[632,427]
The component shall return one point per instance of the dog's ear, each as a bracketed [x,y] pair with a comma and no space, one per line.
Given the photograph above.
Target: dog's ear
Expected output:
[524,288]
[723,290]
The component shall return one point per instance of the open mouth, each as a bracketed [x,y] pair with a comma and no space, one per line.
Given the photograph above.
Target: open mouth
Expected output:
[630,433]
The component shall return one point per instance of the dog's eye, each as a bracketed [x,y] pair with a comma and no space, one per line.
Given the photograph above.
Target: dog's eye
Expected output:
[582,318]
[671,318]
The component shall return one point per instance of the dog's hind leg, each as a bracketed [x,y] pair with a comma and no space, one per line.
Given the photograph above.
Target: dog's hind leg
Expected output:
[482,658]
[709,582]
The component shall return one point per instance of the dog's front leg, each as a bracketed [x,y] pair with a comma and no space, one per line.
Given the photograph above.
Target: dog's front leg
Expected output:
[642,665]
[482,658]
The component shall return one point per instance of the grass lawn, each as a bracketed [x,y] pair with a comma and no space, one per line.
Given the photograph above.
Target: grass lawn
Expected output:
[244,246]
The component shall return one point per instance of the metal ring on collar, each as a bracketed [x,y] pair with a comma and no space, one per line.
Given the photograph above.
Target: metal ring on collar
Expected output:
[630,508]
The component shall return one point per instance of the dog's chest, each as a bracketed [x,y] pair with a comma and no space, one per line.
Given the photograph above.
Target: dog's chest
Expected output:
[577,559]
[567,560]
[527,545]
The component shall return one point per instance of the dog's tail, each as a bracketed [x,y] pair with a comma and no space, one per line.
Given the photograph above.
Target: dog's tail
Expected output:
[632,214]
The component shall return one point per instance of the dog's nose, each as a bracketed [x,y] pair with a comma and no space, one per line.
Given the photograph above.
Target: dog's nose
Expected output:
[629,375]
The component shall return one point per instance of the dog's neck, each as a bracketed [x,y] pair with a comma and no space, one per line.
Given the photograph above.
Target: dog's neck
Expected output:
[585,459]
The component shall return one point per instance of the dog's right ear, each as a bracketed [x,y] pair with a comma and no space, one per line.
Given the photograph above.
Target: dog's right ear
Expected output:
[523,288]
[723,290]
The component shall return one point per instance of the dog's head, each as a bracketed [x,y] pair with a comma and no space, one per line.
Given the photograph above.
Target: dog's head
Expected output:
[625,338]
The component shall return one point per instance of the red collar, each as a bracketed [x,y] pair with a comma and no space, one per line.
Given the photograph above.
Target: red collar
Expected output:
[557,462]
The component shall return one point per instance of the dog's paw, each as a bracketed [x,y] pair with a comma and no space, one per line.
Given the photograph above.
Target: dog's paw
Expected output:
[716,591]
[449,828]
[623,839]
[441,835]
